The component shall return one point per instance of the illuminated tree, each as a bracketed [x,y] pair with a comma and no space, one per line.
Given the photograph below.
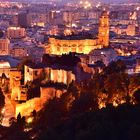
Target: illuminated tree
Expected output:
[2,99]
[12,121]
[114,88]
[137,96]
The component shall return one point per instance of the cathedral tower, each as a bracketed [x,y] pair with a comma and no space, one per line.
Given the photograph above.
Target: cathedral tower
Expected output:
[103,35]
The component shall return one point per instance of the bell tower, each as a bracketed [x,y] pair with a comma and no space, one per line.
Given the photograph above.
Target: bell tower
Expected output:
[103,34]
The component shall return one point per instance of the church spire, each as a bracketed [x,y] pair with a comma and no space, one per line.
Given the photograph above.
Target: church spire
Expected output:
[103,35]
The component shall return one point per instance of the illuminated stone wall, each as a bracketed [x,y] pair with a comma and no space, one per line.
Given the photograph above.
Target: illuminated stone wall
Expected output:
[31,74]
[61,76]
[6,71]
[15,77]
[25,109]
[15,86]
[63,46]
[55,75]
[49,93]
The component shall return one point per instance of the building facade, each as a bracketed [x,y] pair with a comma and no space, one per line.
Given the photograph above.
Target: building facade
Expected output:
[16,32]
[79,43]
[56,75]
[4,46]
[66,45]
[24,19]
[106,55]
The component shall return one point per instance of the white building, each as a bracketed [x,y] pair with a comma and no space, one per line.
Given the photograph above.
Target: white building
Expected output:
[6,64]
[55,74]
[16,32]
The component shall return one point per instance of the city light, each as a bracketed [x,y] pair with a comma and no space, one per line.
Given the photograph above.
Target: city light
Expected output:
[30,120]
[85,4]
[69,64]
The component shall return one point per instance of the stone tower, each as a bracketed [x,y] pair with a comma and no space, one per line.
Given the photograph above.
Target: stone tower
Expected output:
[103,35]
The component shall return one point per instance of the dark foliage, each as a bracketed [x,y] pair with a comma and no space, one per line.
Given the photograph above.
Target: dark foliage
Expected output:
[115,67]
[65,60]
[33,89]
[110,124]
[137,96]
[2,99]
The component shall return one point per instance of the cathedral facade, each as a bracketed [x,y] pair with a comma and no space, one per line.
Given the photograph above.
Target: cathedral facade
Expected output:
[64,45]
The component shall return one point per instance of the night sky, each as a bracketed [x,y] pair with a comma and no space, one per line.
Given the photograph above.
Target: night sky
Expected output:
[106,1]
[112,1]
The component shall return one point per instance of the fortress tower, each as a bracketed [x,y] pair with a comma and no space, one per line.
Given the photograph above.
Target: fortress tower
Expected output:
[103,35]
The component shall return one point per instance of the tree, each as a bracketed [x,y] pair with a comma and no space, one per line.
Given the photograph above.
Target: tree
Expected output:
[50,114]
[47,59]
[2,99]
[126,83]
[34,113]
[115,67]
[20,122]
[137,96]
[86,102]
[33,89]
[12,121]
[114,88]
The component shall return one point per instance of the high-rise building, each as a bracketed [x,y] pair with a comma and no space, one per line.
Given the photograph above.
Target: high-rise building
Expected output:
[103,35]
[24,20]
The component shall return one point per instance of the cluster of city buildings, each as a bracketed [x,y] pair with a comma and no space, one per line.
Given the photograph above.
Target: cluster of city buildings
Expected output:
[96,35]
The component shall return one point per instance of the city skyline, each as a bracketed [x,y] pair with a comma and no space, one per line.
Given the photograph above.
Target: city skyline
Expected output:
[105,1]
[69,70]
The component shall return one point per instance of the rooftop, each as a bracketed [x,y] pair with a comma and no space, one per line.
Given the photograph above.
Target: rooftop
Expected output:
[8,61]
[103,50]
[75,37]
[55,66]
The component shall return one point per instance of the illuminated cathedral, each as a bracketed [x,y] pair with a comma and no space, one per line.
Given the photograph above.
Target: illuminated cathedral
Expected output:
[103,35]
[64,45]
